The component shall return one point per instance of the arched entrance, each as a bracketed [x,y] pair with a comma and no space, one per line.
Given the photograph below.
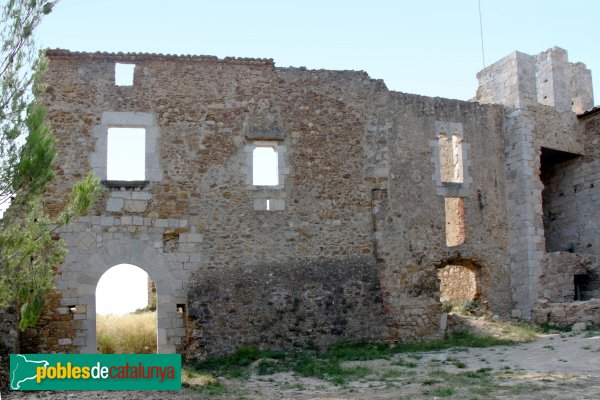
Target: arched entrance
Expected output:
[83,274]
[126,311]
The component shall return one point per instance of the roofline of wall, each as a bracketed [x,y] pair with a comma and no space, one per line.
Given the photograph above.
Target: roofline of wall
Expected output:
[589,113]
[129,57]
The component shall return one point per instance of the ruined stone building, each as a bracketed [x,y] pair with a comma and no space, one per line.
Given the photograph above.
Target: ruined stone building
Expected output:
[382,204]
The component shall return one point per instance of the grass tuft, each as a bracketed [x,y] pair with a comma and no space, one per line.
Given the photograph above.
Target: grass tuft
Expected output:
[328,369]
[328,365]
[203,383]
[237,364]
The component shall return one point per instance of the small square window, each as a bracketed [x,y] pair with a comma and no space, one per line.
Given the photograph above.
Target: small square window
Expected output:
[126,154]
[124,74]
[265,166]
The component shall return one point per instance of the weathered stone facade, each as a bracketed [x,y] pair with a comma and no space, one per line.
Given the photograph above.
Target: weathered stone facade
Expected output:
[376,190]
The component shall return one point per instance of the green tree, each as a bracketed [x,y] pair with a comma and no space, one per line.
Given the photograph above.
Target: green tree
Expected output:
[29,244]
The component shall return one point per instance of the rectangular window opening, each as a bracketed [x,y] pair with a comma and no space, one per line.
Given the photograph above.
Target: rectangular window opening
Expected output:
[268,204]
[126,154]
[124,74]
[265,166]
[451,158]
[455,221]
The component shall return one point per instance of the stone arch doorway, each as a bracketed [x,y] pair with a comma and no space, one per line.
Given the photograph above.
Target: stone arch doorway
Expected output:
[84,273]
[126,311]
[460,282]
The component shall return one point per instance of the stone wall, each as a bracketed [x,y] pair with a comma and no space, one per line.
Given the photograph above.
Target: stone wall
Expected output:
[571,194]
[520,80]
[55,330]
[286,306]
[9,343]
[567,314]
[587,187]
[558,276]
[528,131]
[376,187]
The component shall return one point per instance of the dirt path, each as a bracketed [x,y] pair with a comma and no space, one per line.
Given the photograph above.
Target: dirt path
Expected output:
[557,366]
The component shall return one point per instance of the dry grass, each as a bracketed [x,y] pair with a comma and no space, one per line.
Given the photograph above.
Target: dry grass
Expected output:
[127,334]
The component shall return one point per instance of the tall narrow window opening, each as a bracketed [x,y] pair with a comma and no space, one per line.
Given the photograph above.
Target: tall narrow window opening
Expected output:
[455,221]
[265,166]
[457,159]
[126,154]
[124,74]
[451,158]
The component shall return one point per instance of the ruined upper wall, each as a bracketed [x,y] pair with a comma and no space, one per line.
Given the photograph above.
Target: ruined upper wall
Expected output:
[548,78]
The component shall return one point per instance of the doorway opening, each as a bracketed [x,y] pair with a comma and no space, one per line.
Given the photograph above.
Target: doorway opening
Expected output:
[557,173]
[126,311]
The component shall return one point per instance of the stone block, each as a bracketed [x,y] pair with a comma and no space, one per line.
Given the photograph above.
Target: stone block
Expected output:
[106,221]
[141,196]
[138,221]
[579,327]
[135,206]
[194,237]
[114,205]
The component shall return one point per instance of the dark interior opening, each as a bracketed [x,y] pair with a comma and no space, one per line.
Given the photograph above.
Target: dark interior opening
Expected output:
[558,199]
[581,282]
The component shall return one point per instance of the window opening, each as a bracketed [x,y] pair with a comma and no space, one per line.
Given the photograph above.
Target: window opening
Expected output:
[268,205]
[124,74]
[455,221]
[126,154]
[451,158]
[265,166]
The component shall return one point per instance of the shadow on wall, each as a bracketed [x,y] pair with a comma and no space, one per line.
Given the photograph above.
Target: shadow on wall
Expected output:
[281,307]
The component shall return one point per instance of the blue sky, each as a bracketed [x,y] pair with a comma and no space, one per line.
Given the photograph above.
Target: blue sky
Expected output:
[429,47]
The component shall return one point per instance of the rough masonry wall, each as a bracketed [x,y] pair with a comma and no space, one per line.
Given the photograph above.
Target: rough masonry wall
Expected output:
[287,306]
[520,80]
[9,343]
[558,276]
[571,195]
[414,230]
[357,193]
[587,187]
[567,314]
[528,130]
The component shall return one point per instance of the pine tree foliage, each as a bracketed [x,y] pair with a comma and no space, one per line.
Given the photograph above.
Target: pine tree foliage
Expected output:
[30,247]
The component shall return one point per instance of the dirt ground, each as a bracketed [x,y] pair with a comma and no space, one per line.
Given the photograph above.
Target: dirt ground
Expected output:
[554,366]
